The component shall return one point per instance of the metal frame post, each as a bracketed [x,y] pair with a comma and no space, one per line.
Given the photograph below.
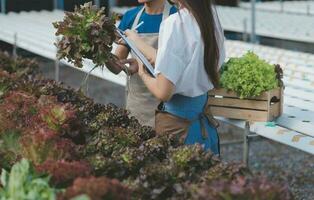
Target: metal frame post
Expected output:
[253,21]
[246,144]
[58,4]
[111,3]
[97,3]
[281,6]
[57,64]
[55,4]
[3,6]
[57,70]
[61,4]
[308,9]
[245,32]
[14,53]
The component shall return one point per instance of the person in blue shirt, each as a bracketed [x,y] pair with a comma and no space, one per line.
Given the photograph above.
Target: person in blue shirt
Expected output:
[140,102]
[152,18]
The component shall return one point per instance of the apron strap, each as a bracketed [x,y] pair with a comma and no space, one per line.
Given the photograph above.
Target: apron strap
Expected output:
[206,115]
[165,14]
[137,18]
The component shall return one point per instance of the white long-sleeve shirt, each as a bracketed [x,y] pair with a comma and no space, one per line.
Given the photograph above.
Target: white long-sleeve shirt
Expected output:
[180,56]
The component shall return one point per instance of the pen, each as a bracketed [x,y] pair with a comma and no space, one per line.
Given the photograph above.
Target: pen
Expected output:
[139,25]
[136,27]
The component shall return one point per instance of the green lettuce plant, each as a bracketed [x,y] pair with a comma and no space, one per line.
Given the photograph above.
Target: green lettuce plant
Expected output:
[249,76]
[23,183]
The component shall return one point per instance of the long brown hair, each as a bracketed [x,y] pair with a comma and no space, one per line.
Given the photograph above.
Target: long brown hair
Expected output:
[203,12]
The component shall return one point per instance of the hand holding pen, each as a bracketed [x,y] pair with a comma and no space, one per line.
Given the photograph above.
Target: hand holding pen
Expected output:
[132,63]
[120,41]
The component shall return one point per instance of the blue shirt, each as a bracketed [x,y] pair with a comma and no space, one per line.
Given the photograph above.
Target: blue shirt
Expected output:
[151,22]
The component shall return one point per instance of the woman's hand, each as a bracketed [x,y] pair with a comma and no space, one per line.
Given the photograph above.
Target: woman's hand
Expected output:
[149,52]
[119,40]
[132,35]
[136,66]
[115,66]
[141,69]
[133,65]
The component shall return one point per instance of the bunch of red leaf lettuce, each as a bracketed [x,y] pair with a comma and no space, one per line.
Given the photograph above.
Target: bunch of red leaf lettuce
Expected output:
[86,33]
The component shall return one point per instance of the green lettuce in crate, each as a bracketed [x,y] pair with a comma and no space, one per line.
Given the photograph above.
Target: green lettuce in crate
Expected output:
[249,76]
[22,183]
[86,33]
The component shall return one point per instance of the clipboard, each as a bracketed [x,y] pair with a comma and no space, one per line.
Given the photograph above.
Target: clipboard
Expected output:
[138,53]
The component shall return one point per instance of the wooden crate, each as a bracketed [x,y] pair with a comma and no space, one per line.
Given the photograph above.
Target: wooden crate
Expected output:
[266,107]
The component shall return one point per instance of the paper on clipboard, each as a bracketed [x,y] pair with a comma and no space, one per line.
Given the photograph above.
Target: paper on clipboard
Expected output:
[138,53]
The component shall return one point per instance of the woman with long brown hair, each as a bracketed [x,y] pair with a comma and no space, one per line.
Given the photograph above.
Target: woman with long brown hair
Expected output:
[190,53]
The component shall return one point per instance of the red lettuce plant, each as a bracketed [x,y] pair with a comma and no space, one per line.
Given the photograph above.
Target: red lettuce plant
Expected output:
[106,141]
[46,146]
[243,188]
[86,33]
[20,66]
[44,116]
[191,160]
[112,116]
[75,126]
[23,111]
[5,82]
[228,171]
[64,172]
[9,149]
[4,74]
[155,148]
[105,166]
[55,115]
[97,189]
[16,110]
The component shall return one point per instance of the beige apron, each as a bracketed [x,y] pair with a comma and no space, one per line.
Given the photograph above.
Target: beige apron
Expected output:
[140,101]
[178,127]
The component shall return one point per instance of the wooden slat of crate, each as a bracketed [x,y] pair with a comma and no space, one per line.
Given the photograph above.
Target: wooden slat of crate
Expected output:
[239,103]
[238,113]
[264,96]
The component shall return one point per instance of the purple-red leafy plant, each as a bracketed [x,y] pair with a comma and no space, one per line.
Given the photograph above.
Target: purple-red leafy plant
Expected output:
[22,67]
[17,110]
[55,115]
[44,146]
[64,172]
[112,116]
[243,188]
[86,33]
[9,149]
[23,111]
[97,189]
[228,171]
